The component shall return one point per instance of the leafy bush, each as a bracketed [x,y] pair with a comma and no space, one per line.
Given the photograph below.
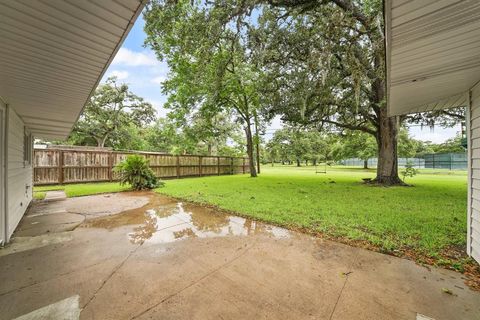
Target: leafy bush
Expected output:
[409,171]
[134,170]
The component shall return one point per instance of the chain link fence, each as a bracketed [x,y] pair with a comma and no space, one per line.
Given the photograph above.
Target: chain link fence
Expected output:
[449,161]
[372,162]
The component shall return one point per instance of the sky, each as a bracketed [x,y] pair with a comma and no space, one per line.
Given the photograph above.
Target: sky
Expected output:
[140,69]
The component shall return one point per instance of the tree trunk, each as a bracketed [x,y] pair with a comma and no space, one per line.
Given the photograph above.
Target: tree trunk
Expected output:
[258,155]
[365,163]
[209,149]
[306,163]
[101,141]
[251,158]
[257,141]
[387,168]
[298,163]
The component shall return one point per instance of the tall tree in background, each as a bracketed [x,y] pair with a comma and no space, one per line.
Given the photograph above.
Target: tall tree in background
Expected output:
[356,144]
[110,112]
[298,144]
[165,136]
[211,132]
[452,145]
[210,66]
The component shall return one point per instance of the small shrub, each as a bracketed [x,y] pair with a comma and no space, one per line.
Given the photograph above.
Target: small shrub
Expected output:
[134,170]
[409,171]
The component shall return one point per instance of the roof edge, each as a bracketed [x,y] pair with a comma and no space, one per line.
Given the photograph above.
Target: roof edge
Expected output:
[387,21]
[112,56]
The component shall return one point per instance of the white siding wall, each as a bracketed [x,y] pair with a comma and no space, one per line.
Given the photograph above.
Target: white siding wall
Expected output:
[19,173]
[473,121]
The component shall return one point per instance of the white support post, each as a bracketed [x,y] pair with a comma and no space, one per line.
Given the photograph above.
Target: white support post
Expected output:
[469,171]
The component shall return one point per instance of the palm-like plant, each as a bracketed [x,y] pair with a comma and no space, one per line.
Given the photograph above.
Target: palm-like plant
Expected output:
[134,170]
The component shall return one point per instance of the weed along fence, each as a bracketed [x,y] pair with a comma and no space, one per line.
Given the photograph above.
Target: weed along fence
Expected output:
[58,166]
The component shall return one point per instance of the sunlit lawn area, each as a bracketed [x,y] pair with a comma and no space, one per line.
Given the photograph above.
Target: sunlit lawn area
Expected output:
[428,217]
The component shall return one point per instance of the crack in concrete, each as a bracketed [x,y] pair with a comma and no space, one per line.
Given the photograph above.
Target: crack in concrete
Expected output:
[53,224]
[344,285]
[205,276]
[110,276]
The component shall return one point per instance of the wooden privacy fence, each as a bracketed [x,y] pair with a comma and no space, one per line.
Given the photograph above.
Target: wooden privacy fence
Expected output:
[58,166]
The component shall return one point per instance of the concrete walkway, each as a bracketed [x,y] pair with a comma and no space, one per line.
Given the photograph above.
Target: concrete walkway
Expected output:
[55,195]
[159,259]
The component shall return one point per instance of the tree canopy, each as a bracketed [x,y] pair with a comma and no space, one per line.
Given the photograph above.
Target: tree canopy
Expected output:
[234,65]
[211,66]
[110,113]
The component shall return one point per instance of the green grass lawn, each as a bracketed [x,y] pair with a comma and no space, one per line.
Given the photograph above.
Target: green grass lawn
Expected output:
[427,218]
[80,189]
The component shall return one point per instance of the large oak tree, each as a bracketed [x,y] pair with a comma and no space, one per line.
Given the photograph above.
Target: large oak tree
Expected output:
[325,65]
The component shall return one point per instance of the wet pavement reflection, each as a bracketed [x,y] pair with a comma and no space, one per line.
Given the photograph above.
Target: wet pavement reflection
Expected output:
[165,220]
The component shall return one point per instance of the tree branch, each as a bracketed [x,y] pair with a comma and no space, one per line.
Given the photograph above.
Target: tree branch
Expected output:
[349,126]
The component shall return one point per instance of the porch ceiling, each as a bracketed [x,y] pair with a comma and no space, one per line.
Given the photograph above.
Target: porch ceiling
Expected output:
[53,54]
[433,53]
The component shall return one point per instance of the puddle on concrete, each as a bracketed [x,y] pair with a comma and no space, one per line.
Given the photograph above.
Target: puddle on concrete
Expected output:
[165,220]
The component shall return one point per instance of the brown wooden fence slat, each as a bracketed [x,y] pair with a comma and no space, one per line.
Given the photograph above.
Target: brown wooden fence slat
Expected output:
[60,167]
[57,166]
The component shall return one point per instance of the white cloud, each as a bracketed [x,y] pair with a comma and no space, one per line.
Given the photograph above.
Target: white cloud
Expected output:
[158,80]
[158,105]
[131,58]
[121,75]
[438,135]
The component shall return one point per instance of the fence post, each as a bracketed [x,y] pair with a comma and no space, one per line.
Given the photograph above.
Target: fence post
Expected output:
[200,165]
[110,166]
[60,166]
[218,166]
[243,167]
[231,165]
[178,166]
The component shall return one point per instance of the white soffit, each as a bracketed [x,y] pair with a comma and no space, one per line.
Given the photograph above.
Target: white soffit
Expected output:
[53,53]
[433,53]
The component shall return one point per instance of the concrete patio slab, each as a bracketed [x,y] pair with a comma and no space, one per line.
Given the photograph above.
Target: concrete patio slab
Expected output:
[56,195]
[162,259]
[34,225]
